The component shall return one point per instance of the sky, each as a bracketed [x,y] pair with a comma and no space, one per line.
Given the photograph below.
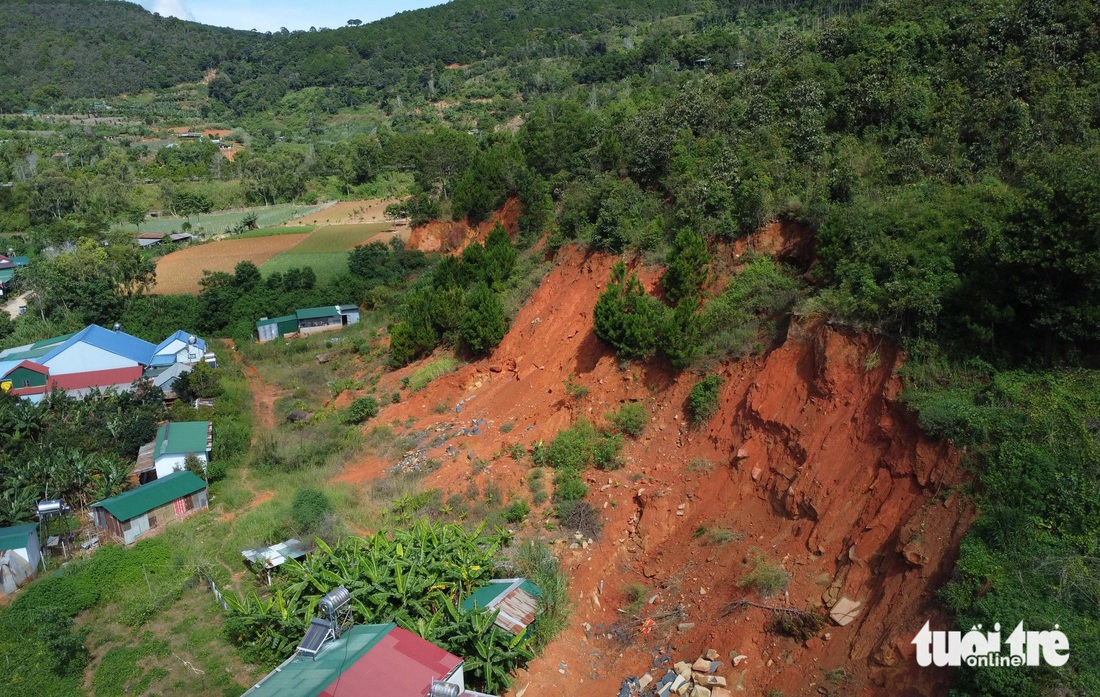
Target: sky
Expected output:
[272,15]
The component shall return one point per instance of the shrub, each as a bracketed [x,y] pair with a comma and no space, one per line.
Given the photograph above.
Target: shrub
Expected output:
[361,409]
[630,419]
[568,486]
[635,595]
[581,517]
[517,511]
[309,508]
[766,578]
[581,445]
[217,470]
[703,399]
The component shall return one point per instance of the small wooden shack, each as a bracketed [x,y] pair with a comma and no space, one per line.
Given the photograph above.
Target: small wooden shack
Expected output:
[133,513]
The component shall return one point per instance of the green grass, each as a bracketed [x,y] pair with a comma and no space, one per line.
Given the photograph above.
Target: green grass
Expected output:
[435,369]
[218,221]
[338,238]
[327,265]
[272,231]
[765,577]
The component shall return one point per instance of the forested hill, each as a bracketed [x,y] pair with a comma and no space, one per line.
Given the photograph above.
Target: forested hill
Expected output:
[54,49]
[67,49]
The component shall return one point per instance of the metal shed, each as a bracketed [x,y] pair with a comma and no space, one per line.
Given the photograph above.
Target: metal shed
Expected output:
[274,327]
[20,555]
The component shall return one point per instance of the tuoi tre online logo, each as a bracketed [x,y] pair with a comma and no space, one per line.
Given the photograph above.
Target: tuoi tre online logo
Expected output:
[977,649]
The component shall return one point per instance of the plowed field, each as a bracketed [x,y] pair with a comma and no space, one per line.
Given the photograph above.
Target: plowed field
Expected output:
[179,272]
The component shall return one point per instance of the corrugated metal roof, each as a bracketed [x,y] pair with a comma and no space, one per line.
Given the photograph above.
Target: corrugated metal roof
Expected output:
[16,536]
[53,341]
[373,659]
[317,312]
[95,378]
[183,437]
[119,343]
[183,336]
[7,274]
[145,458]
[32,354]
[516,599]
[302,677]
[348,308]
[155,494]
[275,320]
[400,664]
[277,554]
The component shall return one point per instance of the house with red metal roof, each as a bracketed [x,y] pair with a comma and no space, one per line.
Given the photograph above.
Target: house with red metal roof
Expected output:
[369,660]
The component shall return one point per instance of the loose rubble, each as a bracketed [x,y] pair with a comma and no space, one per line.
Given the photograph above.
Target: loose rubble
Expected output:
[696,679]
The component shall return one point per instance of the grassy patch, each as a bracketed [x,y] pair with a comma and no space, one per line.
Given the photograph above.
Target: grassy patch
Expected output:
[432,371]
[328,266]
[765,577]
[630,419]
[270,231]
[338,238]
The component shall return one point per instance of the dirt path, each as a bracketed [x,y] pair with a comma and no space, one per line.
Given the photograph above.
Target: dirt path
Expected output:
[263,400]
[263,409]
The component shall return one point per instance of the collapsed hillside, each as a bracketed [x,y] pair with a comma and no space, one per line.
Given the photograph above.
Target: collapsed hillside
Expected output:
[810,463]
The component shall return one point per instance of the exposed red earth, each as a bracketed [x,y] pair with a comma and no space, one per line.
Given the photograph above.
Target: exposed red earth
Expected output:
[811,463]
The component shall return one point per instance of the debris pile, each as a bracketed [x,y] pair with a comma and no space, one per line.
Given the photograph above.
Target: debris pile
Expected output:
[696,679]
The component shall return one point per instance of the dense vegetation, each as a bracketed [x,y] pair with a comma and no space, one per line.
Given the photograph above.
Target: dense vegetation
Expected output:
[81,451]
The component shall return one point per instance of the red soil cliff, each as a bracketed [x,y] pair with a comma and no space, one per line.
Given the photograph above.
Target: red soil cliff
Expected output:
[810,463]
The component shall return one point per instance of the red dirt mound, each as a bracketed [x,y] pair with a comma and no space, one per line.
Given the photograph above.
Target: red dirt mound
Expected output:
[810,465]
[452,237]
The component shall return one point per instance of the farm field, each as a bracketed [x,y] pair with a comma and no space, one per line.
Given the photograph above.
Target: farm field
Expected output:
[179,272]
[346,212]
[272,231]
[327,265]
[218,221]
[341,238]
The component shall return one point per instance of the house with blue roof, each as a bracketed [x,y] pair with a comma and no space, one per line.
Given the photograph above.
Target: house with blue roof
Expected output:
[98,358]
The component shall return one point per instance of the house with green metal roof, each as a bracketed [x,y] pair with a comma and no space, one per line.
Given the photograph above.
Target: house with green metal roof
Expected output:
[515,600]
[134,513]
[307,321]
[20,555]
[176,440]
[370,659]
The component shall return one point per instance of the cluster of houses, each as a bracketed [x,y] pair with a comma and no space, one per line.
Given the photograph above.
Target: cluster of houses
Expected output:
[97,358]
[307,321]
[167,492]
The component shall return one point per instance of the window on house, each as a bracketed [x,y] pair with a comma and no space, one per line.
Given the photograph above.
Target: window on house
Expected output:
[152,521]
[26,383]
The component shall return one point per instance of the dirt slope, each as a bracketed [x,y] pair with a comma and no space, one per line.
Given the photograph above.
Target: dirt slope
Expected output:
[443,236]
[810,463]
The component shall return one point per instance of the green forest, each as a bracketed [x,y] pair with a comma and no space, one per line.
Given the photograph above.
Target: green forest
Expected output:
[945,156]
